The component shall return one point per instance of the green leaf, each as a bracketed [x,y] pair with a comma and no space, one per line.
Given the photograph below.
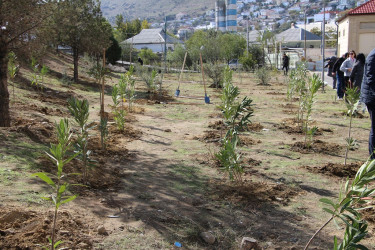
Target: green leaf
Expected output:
[328,201]
[57,244]
[359,246]
[45,178]
[71,158]
[334,243]
[68,199]
[62,188]
[329,211]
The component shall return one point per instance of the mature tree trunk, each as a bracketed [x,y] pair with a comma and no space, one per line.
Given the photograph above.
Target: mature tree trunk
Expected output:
[75,62]
[4,94]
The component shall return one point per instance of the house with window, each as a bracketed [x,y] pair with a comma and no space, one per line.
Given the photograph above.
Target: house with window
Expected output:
[357,29]
[154,39]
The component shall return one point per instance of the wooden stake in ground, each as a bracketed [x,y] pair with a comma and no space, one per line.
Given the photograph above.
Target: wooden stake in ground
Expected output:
[204,82]
[102,92]
[182,70]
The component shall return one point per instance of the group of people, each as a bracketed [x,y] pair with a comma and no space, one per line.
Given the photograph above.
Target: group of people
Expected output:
[346,71]
[356,71]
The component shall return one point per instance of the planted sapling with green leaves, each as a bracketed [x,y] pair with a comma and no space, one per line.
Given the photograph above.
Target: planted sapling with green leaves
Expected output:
[356,196]
[236,118]
[351,100]
[35,76]
[314,84]
[61,155]
[297,86]
[80,112]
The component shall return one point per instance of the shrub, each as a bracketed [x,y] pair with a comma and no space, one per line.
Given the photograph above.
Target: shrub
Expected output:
[215,72]
[263,75]
[147,56]
[248,62]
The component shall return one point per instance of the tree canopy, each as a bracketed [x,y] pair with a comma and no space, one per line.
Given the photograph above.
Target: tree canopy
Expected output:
[81,26]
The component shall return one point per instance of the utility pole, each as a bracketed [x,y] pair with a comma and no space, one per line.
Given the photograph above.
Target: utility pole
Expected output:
[304,45]
[247,37]
[165,45]
[323,39]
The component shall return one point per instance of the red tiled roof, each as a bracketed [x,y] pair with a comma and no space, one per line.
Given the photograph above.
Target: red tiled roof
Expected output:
[366,8]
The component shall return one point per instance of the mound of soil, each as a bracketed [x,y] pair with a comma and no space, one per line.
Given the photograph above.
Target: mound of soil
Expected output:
[219,125]
[209,136]
[247,141]
[129,132]
[275,93]
[297,129]
[251,192]
[27,229]
[355,115]
[337,169]
[256,127]
[317,146]
[252,162]
[38,131]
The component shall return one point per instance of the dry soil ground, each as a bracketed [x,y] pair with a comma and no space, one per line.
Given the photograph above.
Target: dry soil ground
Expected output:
[158,182]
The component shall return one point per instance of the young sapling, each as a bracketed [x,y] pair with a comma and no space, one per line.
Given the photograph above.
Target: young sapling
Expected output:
[59,154]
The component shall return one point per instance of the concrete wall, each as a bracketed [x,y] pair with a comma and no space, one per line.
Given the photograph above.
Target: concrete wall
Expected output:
[357,32]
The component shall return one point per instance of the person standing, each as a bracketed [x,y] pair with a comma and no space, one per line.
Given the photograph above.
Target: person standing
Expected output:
[368,96]
[339,75]
[329,65]
[285,64]
[355,79]
[347,67]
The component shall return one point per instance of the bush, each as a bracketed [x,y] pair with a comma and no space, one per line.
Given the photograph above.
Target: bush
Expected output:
[263,75]
[147,56]
[248,62]
[216,73]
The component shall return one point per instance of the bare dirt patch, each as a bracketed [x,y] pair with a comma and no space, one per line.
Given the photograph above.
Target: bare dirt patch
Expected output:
[37,130]
[29,229]
[219,125]
[317,146]
[336,169]
[253,192]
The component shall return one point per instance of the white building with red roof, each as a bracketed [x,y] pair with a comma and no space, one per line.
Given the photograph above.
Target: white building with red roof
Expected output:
[357,29]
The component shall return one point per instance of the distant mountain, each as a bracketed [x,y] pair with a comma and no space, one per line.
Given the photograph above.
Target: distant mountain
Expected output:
[153,9]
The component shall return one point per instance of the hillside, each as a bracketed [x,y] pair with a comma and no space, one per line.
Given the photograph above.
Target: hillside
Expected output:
[153,9]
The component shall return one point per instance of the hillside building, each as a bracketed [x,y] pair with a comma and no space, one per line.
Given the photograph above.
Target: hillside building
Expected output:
[226,15]
[357,29]
[154,39]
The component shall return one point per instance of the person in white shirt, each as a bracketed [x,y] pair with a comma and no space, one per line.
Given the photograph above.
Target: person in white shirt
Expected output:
[347,67]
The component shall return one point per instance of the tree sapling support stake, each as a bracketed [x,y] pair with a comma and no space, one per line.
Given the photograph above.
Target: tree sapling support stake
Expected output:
[177,93]
[206,98]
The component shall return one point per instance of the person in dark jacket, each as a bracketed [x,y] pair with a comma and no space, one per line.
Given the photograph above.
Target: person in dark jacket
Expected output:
[355,79]
[285,64]
[368,96]
[339,75]
[329,65]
